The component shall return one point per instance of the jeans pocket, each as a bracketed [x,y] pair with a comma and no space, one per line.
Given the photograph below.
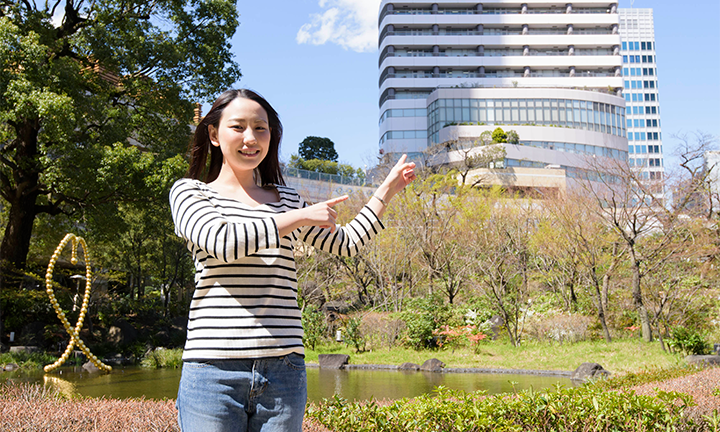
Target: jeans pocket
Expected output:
[196,365]
[295,361]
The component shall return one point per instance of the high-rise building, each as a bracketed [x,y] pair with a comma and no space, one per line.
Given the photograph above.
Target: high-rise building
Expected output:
[551,71]
[642,97]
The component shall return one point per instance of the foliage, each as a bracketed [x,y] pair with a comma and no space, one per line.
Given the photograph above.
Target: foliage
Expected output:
[512,137]
[91,108]
[568,409]
[422,316]
[314,326]
[499,136]
[326,166]
[353,334]
[313,147]
[644,376]
[467,335]
[27,361]
[162,358]
[688,341]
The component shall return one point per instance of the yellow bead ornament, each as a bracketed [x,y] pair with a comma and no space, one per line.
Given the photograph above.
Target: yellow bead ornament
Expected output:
[73,332]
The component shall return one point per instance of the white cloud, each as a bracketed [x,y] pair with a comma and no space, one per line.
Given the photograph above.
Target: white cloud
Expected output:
[352,24]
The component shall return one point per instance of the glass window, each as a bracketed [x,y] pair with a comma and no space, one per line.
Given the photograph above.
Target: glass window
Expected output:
[625,59]
[624,46]
[637,46]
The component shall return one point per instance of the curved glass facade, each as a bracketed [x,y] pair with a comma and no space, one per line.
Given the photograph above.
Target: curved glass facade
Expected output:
[570,113]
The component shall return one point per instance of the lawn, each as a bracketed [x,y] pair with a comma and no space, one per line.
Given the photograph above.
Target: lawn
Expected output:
[623,355]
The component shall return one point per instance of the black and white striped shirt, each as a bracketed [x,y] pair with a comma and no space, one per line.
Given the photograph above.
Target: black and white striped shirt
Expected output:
[245,301]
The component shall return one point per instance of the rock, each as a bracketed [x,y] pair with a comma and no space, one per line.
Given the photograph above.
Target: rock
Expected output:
[333,361]
[496,324]
[589,371]
[122,333]
[11,367]
[24,349]
[703,360]
[432,365]
[90,367]
[409,366]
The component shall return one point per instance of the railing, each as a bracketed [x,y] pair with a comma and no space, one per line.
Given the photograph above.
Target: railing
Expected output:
[330,178]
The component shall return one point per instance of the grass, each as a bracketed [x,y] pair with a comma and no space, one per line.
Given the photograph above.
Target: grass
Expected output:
[163,358]
[26,361]
[620,356]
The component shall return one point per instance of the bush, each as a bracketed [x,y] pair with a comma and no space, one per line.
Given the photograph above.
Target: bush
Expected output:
[688,341]
[314,326]
[354,335]
[382,330]
[422,316]
[27,361]
[560,328]
[567,409]
[162,358]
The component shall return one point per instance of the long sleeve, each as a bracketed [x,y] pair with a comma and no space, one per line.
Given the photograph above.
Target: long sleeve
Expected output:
[203,223]
[346,240]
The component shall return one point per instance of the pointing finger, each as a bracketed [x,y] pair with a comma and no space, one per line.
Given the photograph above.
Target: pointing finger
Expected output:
[333,201]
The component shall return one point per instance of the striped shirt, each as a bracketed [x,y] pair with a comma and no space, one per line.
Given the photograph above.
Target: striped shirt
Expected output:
[245,300]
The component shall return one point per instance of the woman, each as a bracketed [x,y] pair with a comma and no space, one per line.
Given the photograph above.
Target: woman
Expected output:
[243,363]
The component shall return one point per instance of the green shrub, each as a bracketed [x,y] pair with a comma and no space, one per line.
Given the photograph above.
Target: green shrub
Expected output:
[688,341]
[564,409]
[27,361]
[422,316]
[353,334]
[314,326]
[162,358]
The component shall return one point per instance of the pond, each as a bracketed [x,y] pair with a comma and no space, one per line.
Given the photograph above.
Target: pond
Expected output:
[136,382]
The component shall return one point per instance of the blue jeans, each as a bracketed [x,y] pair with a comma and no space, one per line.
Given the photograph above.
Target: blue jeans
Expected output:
[265,395]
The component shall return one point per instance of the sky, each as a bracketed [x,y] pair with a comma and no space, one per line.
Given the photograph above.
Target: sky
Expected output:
[316,62]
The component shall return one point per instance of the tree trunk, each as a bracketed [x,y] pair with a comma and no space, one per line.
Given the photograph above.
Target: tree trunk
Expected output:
[22,193]
[601,310]
[638,300]
[16,241]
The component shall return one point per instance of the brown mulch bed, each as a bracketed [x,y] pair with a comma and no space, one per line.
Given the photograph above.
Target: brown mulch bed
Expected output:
[32,408]
[700,386]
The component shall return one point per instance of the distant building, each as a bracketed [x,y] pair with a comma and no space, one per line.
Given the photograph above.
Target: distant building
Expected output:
[552,71]
[641,91]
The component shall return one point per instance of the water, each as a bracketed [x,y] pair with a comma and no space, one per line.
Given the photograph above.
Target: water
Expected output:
[322,383]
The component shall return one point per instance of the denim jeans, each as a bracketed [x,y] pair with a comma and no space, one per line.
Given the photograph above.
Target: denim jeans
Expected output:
[265,395]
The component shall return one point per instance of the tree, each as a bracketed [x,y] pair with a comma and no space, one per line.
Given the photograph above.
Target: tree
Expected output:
[82,100]
[499,136]
[313,147]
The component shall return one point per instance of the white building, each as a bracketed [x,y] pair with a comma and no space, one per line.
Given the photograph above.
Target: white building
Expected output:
[641,91]
[549,70]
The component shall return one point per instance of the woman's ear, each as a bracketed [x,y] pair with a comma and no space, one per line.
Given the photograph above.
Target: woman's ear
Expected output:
[212,132]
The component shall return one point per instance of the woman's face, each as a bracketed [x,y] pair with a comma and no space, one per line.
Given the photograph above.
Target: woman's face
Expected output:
[243,134]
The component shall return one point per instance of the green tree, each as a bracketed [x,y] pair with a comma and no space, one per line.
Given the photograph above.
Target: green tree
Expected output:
[499,136]
[83,100]
[512,137]
[313,147]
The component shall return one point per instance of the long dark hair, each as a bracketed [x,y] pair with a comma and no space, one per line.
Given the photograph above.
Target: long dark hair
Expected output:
[268,171]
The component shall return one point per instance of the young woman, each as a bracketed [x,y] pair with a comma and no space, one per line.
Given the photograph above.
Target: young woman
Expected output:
[243,364]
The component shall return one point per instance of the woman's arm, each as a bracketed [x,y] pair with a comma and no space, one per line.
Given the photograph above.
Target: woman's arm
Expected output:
[317,222]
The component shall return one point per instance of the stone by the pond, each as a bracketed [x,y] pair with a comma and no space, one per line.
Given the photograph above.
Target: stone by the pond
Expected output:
[589,371]
[90,367]
[122,333]
[28,349]
[432,365]
[703,360]
[409,366]
[333,361]
[11,367]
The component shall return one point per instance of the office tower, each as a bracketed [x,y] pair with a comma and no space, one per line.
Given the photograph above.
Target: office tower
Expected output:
[642,98]
[551,71]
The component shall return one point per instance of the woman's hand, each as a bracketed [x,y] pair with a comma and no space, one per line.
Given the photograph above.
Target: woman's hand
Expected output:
[322,215]
[401,175]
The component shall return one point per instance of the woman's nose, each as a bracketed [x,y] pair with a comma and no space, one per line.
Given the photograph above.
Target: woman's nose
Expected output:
[249,136]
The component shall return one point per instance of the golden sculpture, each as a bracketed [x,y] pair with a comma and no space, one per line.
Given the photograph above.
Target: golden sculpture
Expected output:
[73,332]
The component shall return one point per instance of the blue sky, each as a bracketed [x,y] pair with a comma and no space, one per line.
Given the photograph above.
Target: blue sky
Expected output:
[316,62]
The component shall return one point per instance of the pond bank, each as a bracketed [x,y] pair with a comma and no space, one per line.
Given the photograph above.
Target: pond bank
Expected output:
[549,373]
